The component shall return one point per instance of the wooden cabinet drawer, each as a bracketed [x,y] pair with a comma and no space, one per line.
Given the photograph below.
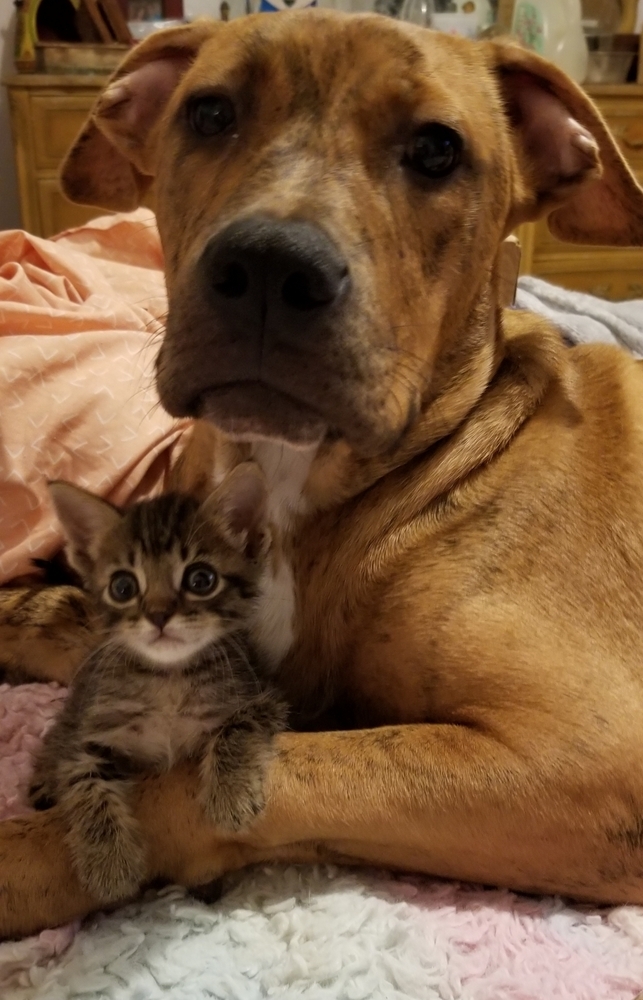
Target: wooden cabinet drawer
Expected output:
[607,283]
[628,132]
[56,120]
[623,112]
[56,213]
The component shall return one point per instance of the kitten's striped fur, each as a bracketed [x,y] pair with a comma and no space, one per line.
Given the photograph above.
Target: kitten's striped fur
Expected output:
[175,674]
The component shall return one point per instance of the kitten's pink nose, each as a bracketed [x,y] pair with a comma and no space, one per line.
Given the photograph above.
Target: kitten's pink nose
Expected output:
[158,618]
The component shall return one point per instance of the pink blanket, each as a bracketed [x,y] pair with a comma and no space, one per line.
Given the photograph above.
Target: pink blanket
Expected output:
[78,319]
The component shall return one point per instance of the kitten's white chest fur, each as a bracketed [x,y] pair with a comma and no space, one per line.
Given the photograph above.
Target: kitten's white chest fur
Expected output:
[286,470]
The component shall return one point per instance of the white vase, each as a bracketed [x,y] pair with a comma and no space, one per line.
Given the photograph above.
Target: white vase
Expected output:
[553,29]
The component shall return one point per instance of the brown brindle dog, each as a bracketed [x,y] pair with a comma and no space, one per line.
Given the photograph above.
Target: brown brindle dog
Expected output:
[459,497]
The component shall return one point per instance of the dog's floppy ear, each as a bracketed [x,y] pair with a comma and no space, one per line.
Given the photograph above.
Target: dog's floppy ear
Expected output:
[111,164]
[569,166]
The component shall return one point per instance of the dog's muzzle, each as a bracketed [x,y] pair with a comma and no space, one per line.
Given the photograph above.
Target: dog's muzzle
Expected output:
[273,279]
[252,348]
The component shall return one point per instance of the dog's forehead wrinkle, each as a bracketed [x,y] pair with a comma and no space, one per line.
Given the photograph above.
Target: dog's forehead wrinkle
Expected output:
[359,58]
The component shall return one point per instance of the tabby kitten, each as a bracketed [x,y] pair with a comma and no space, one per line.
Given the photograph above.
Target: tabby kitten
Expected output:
[175,675]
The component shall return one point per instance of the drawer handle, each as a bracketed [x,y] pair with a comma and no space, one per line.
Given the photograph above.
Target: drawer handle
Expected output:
[632,143]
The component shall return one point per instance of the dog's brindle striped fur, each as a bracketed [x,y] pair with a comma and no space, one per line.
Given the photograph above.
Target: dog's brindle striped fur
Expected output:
[466,550]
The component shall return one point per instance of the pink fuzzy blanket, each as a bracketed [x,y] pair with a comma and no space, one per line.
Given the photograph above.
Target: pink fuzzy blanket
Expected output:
[444,941]
[25,713]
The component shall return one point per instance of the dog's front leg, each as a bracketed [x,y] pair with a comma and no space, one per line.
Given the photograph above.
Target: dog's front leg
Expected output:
[446,800]
[45,633]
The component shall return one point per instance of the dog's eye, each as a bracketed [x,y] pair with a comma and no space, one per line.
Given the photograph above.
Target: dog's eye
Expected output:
[123,587]
[211,115]
[199,579]
[435,151]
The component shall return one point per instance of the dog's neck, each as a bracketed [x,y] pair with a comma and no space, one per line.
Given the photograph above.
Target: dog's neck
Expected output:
[286,469]
[470,355]
[459,431]
[467,422]
[491,370]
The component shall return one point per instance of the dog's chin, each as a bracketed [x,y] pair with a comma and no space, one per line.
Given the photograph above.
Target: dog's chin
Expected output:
[251,411]
[248,411]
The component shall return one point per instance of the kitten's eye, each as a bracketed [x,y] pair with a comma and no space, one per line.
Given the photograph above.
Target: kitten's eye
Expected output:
[211,114]
[123,587]
[199,579]
[435,151]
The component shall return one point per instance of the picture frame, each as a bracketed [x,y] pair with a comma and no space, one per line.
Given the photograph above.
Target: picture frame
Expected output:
[145,10]
[504,15]
[154,10]
[628,20]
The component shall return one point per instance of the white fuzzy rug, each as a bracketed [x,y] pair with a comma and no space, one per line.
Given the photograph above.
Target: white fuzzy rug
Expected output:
[328,934]
[319,934]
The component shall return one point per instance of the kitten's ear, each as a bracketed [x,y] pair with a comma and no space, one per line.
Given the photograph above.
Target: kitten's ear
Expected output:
[85,520]
[239,505]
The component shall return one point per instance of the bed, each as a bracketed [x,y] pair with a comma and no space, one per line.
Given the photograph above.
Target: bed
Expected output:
[80,320]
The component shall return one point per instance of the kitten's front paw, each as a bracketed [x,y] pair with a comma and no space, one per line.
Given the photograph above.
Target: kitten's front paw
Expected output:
[234,804]
[234,766]
[110,865]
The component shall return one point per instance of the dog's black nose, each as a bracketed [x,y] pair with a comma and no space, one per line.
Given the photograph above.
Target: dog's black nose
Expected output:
[276,275]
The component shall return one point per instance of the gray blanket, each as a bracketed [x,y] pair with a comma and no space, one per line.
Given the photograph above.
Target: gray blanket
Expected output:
[584,319]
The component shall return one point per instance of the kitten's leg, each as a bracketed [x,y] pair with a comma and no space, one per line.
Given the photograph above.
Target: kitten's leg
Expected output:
[103,837]
[58,741]
[235,761]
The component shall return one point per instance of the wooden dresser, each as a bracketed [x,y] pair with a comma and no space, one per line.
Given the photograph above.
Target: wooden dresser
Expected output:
[48,111]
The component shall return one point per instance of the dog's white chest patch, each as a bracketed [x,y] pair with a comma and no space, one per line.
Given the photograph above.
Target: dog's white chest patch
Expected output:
[274,624]
[286,469]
